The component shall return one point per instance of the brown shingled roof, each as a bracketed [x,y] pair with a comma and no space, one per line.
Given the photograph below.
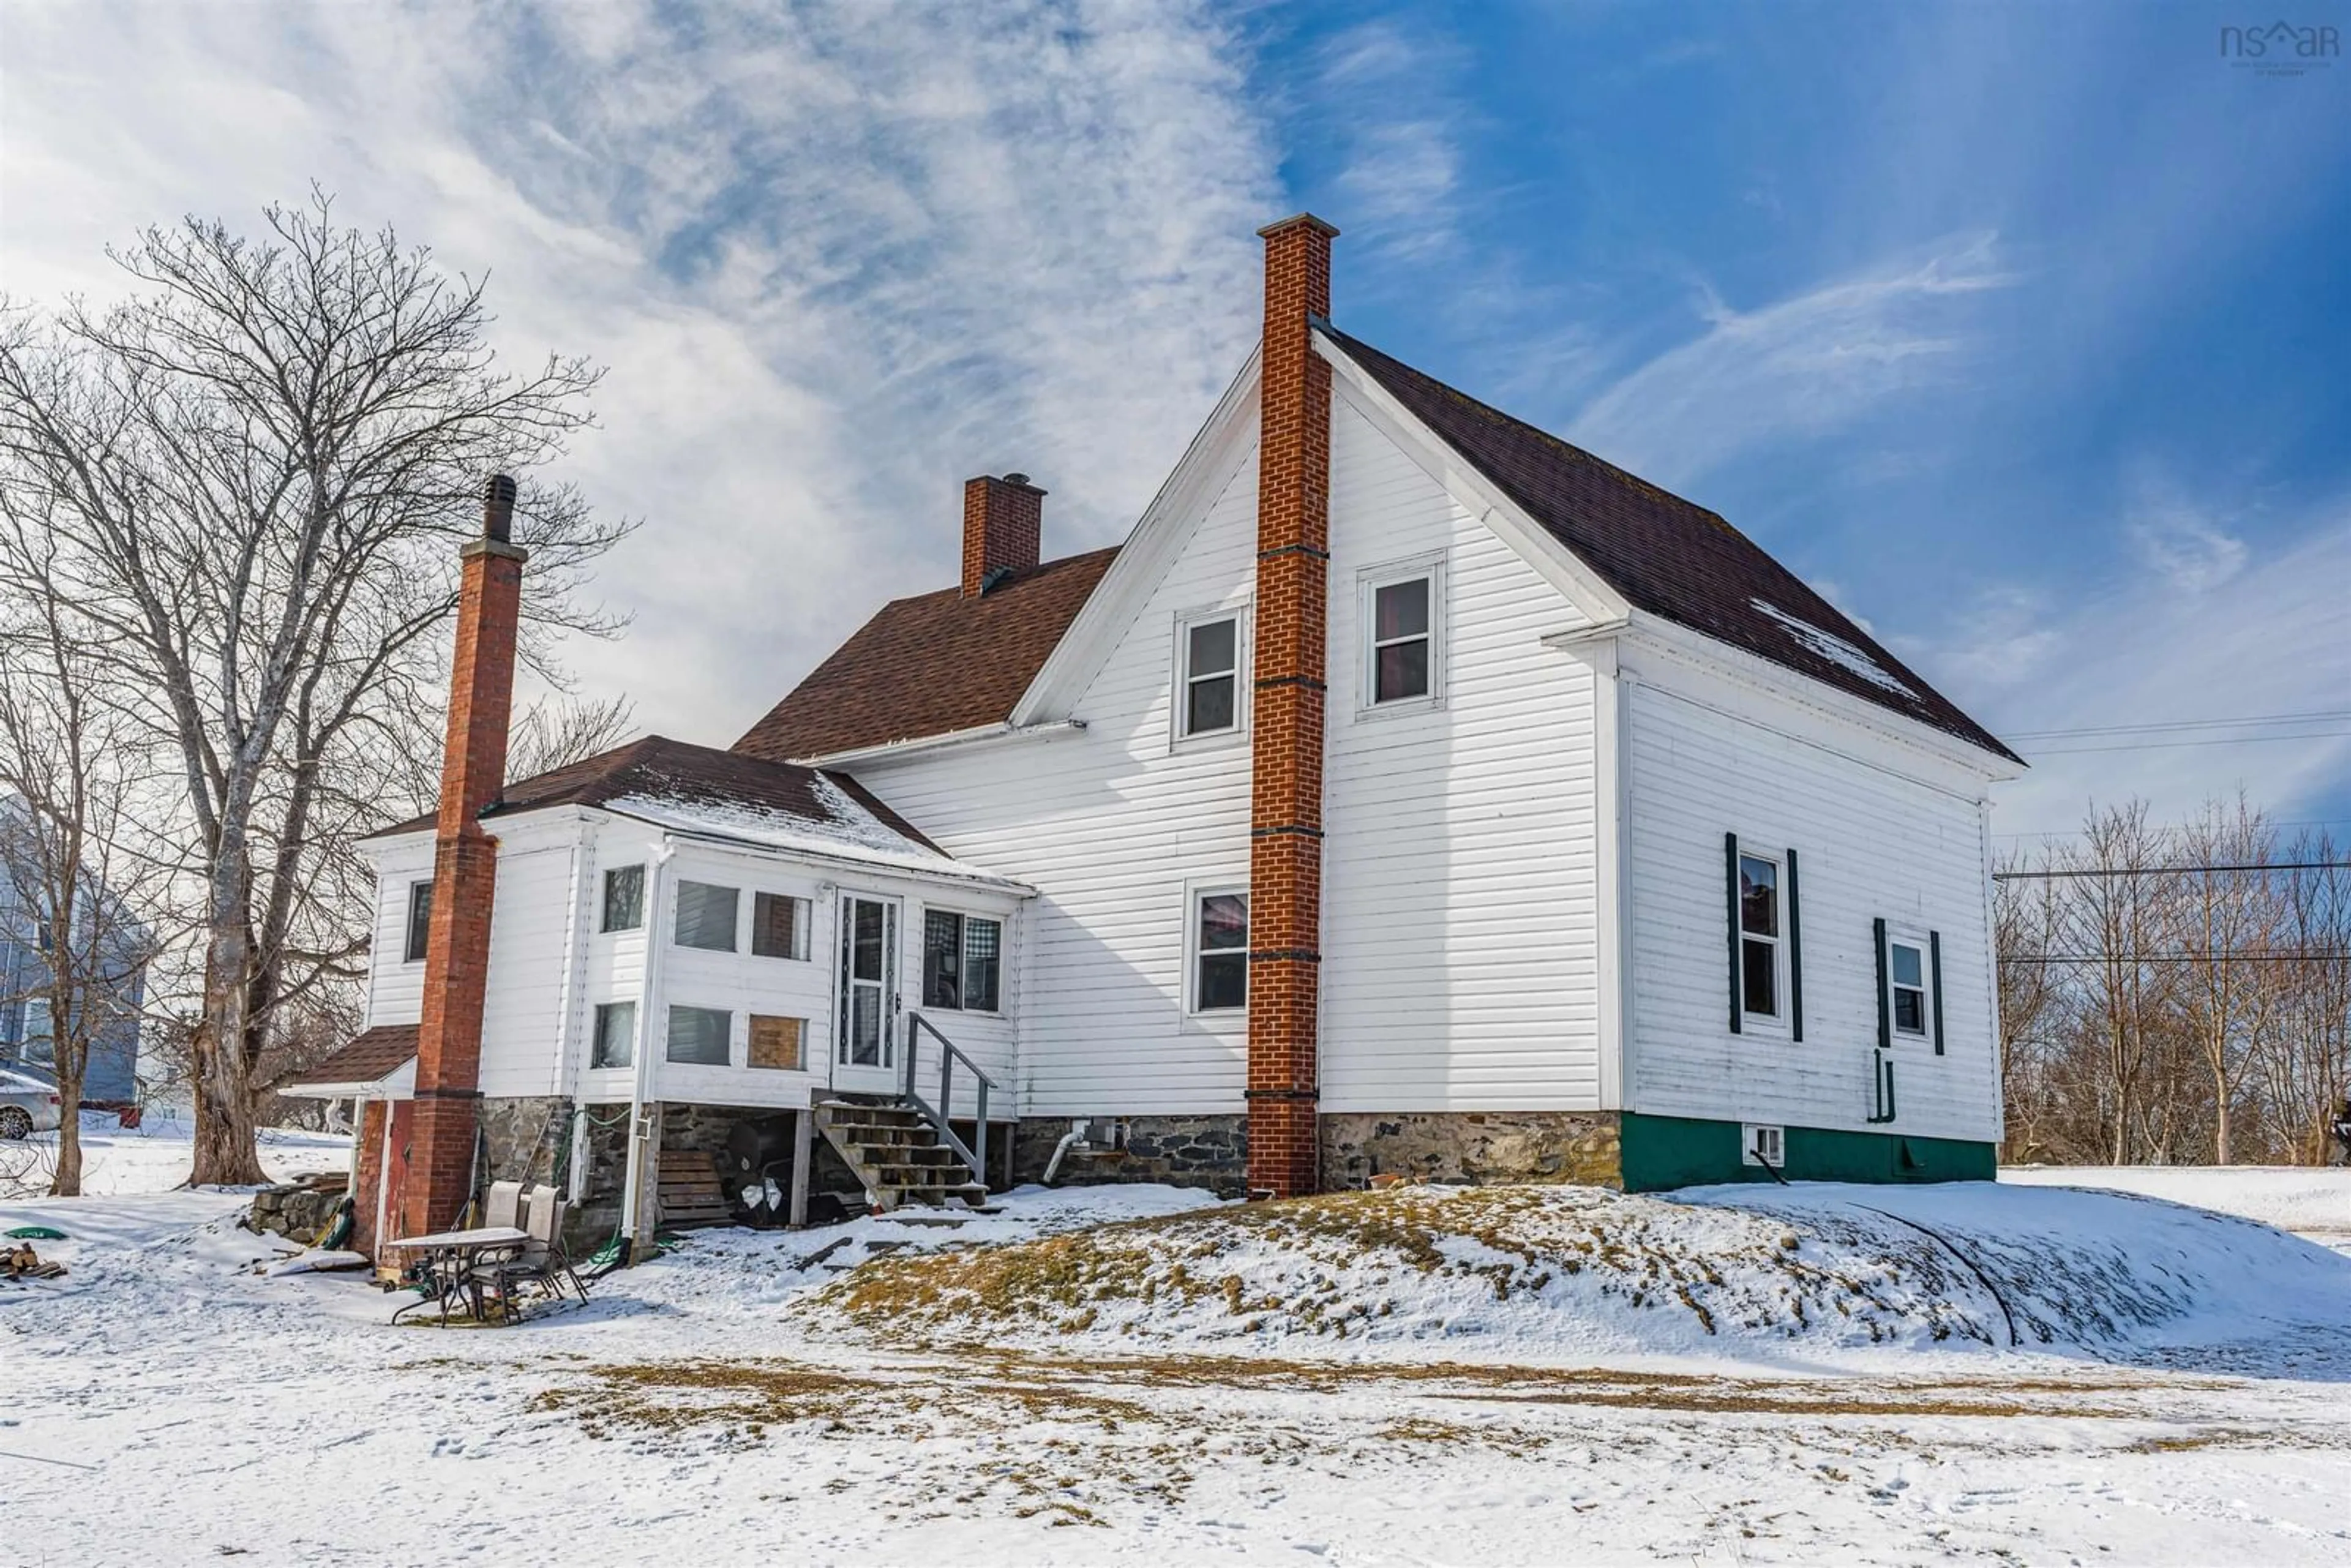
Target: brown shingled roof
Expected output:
[1666,555]
[691,775]
[372,1054]
[932,664]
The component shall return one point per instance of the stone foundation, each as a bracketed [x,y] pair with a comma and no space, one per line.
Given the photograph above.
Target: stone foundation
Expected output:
[1210,1151]
[1472,1146]
[299,1211]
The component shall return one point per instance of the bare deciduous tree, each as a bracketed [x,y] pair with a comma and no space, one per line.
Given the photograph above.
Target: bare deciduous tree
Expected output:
[253,468]
[81,885]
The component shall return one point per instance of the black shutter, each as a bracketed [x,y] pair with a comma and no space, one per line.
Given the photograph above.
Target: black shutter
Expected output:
[1884,1002]
[1795,955]
[1935,980]
[1730,862]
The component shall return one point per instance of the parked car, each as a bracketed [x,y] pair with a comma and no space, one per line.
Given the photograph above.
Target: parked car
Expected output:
[27,1106]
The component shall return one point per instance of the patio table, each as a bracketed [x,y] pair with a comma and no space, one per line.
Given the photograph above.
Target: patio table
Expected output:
[451,1257]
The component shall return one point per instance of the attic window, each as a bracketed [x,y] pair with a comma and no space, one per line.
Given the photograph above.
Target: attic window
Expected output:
[1208,665]
[1403,634]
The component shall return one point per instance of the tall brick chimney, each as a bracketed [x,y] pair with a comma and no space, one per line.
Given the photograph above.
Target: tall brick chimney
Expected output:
[464,874]
[1294,590]
[1003,528]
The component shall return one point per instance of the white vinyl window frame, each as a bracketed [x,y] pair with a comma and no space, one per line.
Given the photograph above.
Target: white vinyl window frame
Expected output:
[1196,898]
[1775,940]
[1368,582]
[965,920]
[1919,982]
[1180,733]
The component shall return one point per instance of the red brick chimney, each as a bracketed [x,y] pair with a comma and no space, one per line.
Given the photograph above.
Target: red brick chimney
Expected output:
[464,874]
[1003,529]
[1293,555]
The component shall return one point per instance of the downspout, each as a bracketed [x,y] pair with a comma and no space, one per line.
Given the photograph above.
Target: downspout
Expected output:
[566,1080]
[641,1082]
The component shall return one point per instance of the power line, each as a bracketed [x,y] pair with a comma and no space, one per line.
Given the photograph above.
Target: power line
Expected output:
[2165,745]
[2179,724]
[2084,833]
[2167,869]
[2176,958]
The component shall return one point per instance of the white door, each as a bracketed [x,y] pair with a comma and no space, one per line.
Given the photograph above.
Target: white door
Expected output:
[865,1036]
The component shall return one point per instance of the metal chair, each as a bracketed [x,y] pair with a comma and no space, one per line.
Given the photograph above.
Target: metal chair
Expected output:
[503,1209]
[541,1263]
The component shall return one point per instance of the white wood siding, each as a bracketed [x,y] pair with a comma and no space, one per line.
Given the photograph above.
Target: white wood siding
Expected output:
[1871,843]
[522,1003]
[395,990]
[1458,945]
[1111,824]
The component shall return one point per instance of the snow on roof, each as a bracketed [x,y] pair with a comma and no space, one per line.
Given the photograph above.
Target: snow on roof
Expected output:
[848,830]
[1835,650]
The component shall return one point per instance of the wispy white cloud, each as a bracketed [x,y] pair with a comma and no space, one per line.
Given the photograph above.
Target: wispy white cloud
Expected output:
[837,256]
[1801,368]
[1387,89]
[2183,542]
[2161,644]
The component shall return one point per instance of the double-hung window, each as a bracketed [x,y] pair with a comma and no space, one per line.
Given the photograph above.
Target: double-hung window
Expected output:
[1220,951]
[1767,930]
[1208,674]
[420,921]
[1402,616]
[963,961]
[1909,986]
[1761,932]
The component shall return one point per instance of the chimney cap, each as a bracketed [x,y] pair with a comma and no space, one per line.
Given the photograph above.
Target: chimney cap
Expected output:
[497,508]
[1329,231]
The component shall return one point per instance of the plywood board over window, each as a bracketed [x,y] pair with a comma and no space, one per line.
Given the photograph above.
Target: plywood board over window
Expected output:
[776,1043]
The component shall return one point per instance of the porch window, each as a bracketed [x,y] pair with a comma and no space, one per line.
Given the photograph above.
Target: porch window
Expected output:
[706,915]
[1220,952]
[700,1035]
[779,926]
[615,1044]
[1760,929]
[776,1043]
[420,921]
[624,898]
[962,961]
[1209,696]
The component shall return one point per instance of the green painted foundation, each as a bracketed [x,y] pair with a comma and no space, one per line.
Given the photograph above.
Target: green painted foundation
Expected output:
[1662,1152]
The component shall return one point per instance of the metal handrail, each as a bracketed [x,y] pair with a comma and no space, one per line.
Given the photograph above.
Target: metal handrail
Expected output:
[949,1054]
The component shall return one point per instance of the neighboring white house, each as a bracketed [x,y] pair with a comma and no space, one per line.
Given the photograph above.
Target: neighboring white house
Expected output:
[1638,860]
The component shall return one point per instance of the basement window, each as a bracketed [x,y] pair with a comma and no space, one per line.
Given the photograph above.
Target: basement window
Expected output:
[615,1044]
[962,961]
[706,915]
[624,898]
[420,921]
[1220,952]
[700,1036]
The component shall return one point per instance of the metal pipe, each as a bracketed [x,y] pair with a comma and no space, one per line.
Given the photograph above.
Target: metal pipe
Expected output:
[1070,1140]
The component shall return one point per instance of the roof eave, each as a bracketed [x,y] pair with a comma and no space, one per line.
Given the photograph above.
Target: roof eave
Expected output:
[1672,637]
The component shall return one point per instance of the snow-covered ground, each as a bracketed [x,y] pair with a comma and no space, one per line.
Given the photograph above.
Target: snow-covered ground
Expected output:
[156,1156]
[1100,1396]
[2314,1203]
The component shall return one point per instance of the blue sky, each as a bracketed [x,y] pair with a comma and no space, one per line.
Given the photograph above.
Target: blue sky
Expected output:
[2018,330]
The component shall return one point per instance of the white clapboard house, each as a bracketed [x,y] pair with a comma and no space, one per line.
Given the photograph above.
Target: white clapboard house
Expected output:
[1411,791]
